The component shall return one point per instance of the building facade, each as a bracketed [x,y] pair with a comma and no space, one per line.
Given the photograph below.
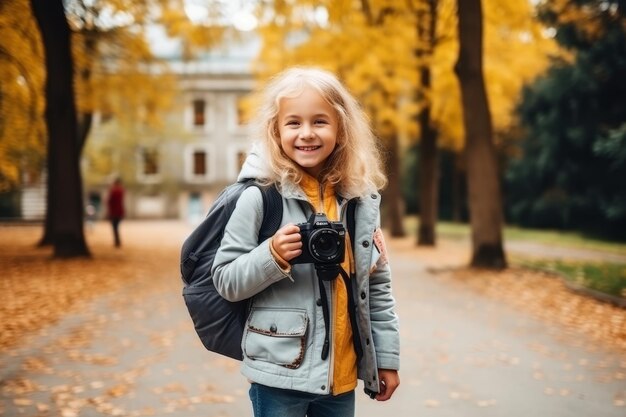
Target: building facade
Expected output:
[178,175]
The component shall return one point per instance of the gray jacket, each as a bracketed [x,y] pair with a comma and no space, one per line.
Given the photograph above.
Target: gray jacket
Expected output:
[284,334]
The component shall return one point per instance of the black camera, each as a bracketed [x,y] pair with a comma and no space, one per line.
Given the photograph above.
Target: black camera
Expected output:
[323,241]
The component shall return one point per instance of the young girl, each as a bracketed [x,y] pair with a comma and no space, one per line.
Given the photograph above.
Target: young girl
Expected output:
[308,339]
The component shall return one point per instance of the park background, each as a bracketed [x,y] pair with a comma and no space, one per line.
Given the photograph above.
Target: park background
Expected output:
[503,129]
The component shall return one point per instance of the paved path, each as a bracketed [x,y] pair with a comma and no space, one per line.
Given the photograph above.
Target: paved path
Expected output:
[462,355]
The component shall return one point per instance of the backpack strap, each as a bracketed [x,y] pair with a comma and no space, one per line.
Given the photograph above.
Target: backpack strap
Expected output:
[272,208]
[351,221]
[272,212]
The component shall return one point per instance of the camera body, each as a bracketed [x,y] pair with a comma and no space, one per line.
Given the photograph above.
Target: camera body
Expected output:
[323,241]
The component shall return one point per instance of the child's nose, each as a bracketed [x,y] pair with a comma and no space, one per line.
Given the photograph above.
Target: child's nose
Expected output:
[305,131]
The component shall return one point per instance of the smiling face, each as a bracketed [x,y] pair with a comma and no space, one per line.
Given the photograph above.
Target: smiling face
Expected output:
[307,126]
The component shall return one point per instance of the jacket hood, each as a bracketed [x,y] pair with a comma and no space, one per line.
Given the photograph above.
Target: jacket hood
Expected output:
[255,165]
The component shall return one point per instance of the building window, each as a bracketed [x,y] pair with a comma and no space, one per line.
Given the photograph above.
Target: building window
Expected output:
[150,162]
[199,163]
[199,108]
[148,168]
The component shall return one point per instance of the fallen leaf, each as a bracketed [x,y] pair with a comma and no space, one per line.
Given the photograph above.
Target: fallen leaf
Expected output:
[431,403]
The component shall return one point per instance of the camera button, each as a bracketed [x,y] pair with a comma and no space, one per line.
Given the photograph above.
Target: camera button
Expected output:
[365,244]
[363,295]
[273,328]
[318,301]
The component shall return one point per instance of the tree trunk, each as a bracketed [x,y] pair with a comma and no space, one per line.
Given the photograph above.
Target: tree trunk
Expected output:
[485,201]
[456,188]
[428,173]
[393,197]
[64,216]
[428,156]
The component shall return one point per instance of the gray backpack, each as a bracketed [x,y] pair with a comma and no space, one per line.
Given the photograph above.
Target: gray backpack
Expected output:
[218,322]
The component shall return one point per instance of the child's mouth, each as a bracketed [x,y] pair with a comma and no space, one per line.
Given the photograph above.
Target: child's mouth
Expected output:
[307,148]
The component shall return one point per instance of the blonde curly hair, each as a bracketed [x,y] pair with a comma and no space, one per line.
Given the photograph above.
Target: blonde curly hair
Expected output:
[354,167]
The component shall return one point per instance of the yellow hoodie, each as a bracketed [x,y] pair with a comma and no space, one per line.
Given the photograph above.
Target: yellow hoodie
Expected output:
[343,354]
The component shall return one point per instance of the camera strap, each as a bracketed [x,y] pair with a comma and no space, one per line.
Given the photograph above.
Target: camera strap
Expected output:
[329,273]
[326,273]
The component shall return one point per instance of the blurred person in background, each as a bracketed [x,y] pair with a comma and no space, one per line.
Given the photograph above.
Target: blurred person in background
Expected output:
[115,204]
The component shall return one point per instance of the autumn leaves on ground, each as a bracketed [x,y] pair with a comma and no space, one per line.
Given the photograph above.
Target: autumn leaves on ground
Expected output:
[38,291]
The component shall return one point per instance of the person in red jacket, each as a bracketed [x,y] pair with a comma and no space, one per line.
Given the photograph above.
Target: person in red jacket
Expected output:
[116,208]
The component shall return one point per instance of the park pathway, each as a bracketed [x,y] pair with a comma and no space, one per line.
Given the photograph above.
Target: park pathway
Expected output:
[133,352]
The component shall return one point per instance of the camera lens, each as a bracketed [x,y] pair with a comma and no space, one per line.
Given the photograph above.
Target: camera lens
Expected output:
[324,245]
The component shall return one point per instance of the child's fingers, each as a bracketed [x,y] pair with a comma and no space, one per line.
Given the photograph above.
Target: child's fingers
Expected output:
[286,246]
[287,242]
[287,234]
[289,255]
[288,251]
[389,381]
[289,229]
[292,239]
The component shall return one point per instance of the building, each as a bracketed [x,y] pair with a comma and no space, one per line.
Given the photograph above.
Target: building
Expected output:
[179,174]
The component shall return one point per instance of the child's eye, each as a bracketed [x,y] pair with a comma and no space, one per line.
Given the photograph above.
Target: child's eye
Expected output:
[292,123]
[321,122]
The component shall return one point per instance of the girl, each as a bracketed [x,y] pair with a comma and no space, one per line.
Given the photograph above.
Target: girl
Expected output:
[308,339]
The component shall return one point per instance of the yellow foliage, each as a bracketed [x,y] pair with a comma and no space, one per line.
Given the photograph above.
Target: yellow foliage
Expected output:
[515,51]
[22,130]
[372,46]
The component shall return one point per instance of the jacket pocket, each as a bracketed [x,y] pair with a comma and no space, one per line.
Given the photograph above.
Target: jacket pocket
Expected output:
[276,336]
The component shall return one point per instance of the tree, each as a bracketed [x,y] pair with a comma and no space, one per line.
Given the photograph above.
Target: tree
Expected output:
[110,49]
[483,176]
[572,160]
[65,202]
[516,49]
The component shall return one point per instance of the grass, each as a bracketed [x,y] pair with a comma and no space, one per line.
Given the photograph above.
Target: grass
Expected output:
[549,237]
[609,278]
[606,277]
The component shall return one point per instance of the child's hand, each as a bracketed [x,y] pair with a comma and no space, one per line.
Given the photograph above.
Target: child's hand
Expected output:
[389,381]
[287,242]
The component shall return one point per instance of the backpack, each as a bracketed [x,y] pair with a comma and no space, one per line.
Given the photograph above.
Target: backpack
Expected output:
[219,322]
